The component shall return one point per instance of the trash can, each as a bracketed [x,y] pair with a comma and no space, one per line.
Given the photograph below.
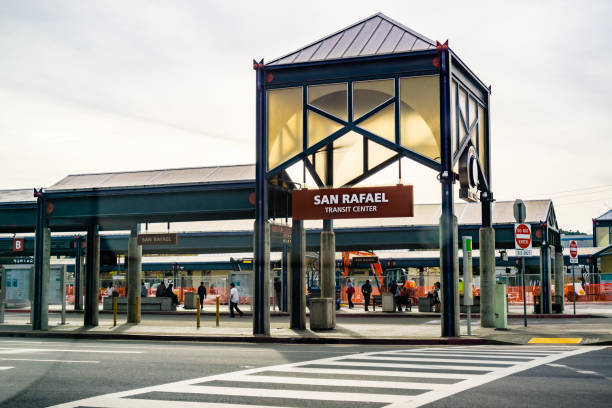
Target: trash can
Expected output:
[425,304]
[388,302]
[536,305]
[191,300]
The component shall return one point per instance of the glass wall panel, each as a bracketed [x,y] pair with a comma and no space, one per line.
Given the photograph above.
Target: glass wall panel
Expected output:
[320,127]
[369,94]
[320,159]
[453,113]
[382,124]
[462,104]
[377,154]
[481,135]
[348,158]
[284,125]
[602,236]
[420,115]
[330,98]
[472,111]
[474,137]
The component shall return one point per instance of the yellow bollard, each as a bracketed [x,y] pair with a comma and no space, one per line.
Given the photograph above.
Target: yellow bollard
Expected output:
[114,311]
[198,316]
[138,309]
[217,311]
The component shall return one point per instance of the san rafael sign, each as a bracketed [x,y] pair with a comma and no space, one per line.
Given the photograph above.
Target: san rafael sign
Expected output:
[157,239]
[361,202]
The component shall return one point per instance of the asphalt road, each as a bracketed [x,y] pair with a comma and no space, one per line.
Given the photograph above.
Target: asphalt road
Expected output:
[40,373]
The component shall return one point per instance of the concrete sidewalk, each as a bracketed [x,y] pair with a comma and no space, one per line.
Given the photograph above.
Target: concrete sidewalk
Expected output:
[352,327]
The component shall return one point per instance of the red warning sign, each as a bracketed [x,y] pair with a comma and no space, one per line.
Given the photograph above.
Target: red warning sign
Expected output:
[522,236]
[573,249]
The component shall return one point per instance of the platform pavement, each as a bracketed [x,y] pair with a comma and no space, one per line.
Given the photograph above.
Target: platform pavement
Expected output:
[353,326]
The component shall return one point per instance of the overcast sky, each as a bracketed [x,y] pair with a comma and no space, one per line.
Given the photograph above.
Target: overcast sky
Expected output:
[96,86]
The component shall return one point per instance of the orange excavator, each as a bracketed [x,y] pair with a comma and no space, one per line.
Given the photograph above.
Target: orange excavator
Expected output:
[375,267]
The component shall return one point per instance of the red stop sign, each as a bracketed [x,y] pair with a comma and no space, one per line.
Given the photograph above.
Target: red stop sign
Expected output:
[573,249]
[522,236]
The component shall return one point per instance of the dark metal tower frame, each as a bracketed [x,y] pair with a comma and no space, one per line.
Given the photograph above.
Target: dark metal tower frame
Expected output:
[453,75]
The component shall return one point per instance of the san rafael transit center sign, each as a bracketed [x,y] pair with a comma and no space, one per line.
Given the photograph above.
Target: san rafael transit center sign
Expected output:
[361,202]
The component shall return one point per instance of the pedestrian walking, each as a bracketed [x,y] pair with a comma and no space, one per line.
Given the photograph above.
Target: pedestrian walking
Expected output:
[366,290]
[350,290]
[277,292]
[143,290]
[202,294]
[234,299]
[109,290]
[398,297]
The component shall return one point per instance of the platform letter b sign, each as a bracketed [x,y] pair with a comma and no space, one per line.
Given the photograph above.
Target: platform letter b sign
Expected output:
[18,244]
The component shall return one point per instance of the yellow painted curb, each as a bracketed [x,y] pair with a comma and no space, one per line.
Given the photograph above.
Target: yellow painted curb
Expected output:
[555,340]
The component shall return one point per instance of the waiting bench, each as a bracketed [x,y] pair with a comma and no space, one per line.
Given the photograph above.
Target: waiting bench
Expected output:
[156,304]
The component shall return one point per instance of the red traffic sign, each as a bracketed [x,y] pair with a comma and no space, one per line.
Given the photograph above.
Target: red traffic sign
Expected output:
[522,236]
[573,249]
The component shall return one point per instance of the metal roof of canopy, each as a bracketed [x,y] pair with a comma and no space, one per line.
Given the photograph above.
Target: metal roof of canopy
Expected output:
[17,196]
[374,35]
[607,216]
[118,201]
[151,178]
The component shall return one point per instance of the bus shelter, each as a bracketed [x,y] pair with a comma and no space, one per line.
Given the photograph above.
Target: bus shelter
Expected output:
[358,100]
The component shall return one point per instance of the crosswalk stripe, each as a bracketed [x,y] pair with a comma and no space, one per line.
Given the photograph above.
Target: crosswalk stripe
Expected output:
[148,403]
[496,356]
[336,382]
[379,373]
[380,370]
[413,366]
[281,393]
[438,360]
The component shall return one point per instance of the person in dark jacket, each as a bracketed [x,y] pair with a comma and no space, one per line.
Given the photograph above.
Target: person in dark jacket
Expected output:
[366,290]
[161,290]
[277,292]
[171,295]
[202,294]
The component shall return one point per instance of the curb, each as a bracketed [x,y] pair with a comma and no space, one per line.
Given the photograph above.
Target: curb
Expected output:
[259,339]
[338,315]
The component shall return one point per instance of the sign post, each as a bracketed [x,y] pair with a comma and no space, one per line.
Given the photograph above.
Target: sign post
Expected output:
[520,214]
[573,261]
[468,299]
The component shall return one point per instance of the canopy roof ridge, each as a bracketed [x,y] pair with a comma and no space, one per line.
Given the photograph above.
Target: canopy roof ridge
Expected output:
[376,34]
[159,170]
[605,216]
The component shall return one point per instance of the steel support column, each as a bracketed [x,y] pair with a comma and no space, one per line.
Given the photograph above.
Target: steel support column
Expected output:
[78,287]
[448,224]
[545,295]
[297,309]
[134,274]
[284,269]
[328,260]
[261,245]
[487,263]
[42,260]
[92,278]
[559,280]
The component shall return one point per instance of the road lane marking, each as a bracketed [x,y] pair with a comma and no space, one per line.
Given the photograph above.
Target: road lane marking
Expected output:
[5,368]
[7,350]
[50,360]
[378,374]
